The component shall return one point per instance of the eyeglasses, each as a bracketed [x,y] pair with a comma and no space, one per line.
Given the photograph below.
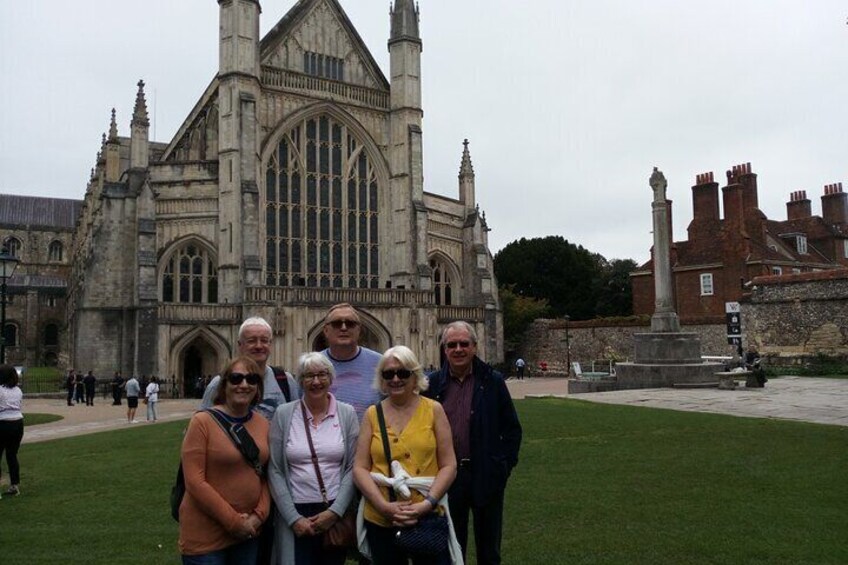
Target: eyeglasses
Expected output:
[251,378]
[455,344]
[389,374]
[319,376]
[338,324]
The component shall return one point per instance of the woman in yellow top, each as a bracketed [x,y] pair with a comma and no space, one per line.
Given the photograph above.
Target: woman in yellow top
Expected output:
[420,440]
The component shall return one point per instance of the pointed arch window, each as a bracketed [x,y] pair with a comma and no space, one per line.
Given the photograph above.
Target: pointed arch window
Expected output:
[190,276]
[13,246]
[51,335]
[441,283]
[10,334]
[321,209]
[55,251]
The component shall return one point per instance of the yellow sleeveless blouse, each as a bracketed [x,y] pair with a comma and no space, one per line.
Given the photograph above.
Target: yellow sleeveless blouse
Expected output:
[414,448]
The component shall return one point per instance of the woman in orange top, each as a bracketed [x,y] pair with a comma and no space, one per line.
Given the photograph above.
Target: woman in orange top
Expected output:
[226,500]
[420,440]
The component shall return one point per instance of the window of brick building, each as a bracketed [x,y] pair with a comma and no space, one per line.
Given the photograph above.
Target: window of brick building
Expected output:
[776,271]
[707,284]
[801,244]
[321,209]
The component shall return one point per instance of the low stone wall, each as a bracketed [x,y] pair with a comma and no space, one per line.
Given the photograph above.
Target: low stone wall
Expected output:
[602,340]
[798,319]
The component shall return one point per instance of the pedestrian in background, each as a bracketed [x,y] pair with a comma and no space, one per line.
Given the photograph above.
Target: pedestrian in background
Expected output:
[11,424]
[151,394]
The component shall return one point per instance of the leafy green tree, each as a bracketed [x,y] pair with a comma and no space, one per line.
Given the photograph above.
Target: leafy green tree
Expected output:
[615,293]
[518,313]
[552,269]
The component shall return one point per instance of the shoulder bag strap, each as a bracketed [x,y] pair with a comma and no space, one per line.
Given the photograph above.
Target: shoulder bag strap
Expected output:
[386,449]
[282,379]
[239,442]
[314,455]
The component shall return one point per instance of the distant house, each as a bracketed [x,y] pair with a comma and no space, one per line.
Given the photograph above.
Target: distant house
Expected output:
[724,253]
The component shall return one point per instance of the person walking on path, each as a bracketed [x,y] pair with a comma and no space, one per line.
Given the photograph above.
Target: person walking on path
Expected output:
[151,394]
[519,368]
[90,383]
[133,390]
[486,437]
[79,389]
[11,424]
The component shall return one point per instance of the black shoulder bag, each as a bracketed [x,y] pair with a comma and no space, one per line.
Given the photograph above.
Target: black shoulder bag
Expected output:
[430,535]
[243,441]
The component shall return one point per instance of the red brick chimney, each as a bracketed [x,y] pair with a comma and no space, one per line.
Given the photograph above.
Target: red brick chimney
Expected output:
[748,180]
[834,205]
[705,198]
[798,206]
[732,199]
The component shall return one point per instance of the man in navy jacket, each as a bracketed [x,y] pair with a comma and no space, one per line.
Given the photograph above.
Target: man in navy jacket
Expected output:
[486,438]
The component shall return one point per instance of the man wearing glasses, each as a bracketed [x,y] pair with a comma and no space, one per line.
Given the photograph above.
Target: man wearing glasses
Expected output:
[354,365]
[486,439]
[254,341]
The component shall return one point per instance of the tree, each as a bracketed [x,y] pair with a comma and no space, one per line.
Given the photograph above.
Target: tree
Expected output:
[615,293]
[551,269]
[518,313]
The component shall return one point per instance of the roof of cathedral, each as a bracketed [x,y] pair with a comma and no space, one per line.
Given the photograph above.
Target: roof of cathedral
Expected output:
[16,210]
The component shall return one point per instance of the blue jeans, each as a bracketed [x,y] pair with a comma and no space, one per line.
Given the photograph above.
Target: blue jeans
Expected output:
[243,553]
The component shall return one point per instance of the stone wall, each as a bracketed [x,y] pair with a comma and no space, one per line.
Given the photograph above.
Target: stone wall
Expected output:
[601,340]
[795,318]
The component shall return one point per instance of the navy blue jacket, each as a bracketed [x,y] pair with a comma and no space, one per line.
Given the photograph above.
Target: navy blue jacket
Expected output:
[495,429]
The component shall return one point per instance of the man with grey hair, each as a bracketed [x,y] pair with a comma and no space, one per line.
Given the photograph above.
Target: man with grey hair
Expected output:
[254,340]
[486,439]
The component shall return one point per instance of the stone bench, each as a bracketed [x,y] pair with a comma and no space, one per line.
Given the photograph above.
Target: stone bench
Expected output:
[727,379]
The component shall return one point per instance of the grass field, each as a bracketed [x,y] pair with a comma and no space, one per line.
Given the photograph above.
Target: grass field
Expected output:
[595,484]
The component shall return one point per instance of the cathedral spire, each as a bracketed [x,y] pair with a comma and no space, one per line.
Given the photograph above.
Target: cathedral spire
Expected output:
[404,21]
[140,111]
[113,128]
[466,169]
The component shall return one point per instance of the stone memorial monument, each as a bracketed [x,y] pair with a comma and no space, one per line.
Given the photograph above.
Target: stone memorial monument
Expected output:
[665,356]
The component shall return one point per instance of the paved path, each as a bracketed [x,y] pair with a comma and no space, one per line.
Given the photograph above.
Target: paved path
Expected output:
[823,401]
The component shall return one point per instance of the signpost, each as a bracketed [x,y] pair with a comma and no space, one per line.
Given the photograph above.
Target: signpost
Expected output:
[734,323]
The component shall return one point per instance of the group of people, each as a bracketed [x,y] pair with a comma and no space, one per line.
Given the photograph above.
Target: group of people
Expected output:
[80,388]
[277,465]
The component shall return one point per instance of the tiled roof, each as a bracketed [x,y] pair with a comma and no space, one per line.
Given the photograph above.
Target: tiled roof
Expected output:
[18,210]
[37,281]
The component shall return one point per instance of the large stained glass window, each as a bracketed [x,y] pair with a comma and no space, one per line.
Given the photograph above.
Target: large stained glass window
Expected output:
[190,276]
[321,202]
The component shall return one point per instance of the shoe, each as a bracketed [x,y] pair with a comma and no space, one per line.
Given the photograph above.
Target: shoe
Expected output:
[134,422]
[13,491]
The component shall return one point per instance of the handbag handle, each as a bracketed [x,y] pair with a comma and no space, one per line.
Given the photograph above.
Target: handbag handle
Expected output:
[314,455]
[381,419]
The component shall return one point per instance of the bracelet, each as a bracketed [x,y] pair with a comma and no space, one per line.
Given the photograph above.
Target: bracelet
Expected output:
[433,502]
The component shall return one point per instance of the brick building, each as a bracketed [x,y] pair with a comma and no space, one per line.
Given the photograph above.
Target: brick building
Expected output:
[724,253]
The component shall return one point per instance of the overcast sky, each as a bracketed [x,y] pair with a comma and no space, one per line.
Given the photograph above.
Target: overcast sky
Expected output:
[567,104]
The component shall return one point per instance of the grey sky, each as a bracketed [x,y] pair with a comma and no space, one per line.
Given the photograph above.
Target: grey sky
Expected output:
[567,104]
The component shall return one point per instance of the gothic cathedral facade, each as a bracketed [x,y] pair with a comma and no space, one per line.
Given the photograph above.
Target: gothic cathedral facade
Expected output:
[295,183]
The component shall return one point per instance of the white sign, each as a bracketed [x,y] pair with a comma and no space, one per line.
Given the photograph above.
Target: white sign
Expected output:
[731,307]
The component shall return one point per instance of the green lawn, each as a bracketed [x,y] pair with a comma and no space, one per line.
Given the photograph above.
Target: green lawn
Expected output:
[596,484]
[34,419]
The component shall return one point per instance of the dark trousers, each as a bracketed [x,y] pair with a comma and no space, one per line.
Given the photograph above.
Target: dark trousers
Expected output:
[11,434]
[310,550]
[78,394]
[71,395]
[89,396]
[116,395]
[488,519]
[381,541]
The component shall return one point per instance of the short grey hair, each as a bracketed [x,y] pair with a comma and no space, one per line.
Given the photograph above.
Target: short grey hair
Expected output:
[314,360]
[459,325]
[254,321]
[407,360]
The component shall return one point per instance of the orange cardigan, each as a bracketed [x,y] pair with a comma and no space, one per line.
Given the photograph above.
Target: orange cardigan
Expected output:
[220,484]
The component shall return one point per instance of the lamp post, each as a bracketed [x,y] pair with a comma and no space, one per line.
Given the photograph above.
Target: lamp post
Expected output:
[8,264]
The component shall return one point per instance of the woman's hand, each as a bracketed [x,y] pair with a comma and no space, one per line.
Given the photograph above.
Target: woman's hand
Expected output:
[408,514]
[245,528]
[303,527]
[323,521]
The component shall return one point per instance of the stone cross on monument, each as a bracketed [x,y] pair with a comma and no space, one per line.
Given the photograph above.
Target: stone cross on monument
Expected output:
[665,319]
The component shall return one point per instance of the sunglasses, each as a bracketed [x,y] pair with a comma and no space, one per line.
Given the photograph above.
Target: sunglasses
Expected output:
[338,324]
[455,344]
[401,373]
[236,378]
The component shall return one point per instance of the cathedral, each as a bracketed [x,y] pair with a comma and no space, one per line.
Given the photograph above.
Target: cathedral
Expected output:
[295,182]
